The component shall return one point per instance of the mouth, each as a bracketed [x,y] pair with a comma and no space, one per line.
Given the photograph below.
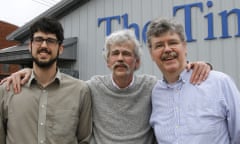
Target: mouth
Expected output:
[169,56]
[43,51]
[120,66]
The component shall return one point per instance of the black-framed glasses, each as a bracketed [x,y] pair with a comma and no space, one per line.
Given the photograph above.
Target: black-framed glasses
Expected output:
[50,41]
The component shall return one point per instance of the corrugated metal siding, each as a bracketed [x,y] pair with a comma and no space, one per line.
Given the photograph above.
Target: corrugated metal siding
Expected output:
[223,54]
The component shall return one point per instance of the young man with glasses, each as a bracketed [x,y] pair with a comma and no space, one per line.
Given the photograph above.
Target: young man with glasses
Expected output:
[53,108]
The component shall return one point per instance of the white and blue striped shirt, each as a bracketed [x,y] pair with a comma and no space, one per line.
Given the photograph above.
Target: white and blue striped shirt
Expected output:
[208,113]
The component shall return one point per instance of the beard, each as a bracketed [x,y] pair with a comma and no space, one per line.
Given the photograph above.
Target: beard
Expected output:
[44,64]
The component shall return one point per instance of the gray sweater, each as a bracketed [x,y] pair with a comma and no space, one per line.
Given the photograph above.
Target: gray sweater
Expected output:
[121,116]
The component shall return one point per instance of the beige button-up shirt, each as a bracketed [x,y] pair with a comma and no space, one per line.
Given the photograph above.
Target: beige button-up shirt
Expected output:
[57,114]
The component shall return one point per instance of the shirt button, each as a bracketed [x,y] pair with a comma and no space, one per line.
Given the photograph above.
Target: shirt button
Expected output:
[43,105]
[41,123]
[41,141]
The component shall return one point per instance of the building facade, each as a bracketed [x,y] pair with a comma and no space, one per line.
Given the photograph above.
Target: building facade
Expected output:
[6,29]
[212,32]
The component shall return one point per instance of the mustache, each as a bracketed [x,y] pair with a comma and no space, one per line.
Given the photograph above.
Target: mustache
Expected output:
[116,64]
[169,55]
[44,50]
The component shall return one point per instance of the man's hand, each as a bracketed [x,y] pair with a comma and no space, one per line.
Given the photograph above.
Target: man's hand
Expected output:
[200,71]
[17,79]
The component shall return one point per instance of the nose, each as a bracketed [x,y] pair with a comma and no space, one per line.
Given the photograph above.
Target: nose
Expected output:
[44,43]
[167,48]
[120,56]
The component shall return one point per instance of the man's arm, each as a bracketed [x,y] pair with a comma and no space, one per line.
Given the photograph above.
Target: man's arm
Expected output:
[85,118]
[232,99]
[2,121]
[200,71]
[17,79]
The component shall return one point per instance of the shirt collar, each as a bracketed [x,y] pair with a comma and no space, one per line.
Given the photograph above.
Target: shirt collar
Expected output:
[183,78]
[115,85]
[32,79]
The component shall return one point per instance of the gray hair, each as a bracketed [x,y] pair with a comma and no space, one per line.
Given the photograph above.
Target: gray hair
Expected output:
[160,26]
[119,37]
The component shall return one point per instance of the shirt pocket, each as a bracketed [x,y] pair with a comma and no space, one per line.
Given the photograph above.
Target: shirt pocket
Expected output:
[202,120]
[63,123]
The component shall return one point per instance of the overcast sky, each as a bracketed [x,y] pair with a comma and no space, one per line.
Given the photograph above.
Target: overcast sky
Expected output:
[19,12]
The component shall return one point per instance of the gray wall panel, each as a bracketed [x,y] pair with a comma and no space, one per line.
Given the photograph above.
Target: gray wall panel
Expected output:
[223,54]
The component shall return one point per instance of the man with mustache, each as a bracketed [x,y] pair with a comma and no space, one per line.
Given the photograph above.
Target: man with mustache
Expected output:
[184,113]
[52,108]
[121,101]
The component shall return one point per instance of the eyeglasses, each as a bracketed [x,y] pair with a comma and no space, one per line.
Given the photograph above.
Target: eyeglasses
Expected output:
[50,41]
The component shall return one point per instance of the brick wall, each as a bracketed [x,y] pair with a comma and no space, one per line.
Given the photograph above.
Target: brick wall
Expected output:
[5,30]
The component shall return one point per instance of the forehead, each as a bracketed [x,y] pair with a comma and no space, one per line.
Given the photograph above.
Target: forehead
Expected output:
[166,36]
[43,34]
[127,46]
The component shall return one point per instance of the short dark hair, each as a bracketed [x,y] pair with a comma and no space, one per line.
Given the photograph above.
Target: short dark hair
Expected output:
[160,26]
[48,25]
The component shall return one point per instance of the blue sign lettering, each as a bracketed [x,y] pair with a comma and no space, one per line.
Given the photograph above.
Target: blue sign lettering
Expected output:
[188,17]
[224,15]
[108,22]
[187,8]
[209,18]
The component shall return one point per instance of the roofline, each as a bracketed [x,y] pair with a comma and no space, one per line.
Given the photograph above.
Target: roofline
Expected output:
[57,11]
[4,22]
